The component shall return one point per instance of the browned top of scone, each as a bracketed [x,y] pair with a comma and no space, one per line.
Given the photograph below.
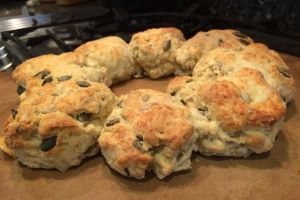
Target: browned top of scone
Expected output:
[154,50]
[228,38]
[120,138]
[177,82]
[240,100]
[197,46]
[32,66]
[53,107]
[246,101]
[223,61]
[109,53]
[155,118]
[52,68]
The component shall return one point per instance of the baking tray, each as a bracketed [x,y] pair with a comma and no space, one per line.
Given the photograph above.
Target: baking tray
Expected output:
[273,175]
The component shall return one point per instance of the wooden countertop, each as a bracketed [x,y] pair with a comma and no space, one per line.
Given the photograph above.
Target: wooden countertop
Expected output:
[274,175]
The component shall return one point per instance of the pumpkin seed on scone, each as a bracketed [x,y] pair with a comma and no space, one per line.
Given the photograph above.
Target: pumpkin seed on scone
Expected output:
[38,71]
[237,114]
[153,50]
[58,125]
[110,54]
[196,47]
[148,130]
[220,62]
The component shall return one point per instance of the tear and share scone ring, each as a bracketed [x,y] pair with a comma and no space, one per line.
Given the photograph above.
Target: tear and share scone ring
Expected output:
[224,61]
[58,125]
[233,105]
[234,115]
[196,47]
[154,50]
[148,130]
[110,54]
[37,71]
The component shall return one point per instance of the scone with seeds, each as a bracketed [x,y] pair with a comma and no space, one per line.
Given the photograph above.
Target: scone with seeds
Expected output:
[148,130]
[154,50]
[110,54]
[234,115]
[222,61]
[53,68]
[58,126]
[196,47]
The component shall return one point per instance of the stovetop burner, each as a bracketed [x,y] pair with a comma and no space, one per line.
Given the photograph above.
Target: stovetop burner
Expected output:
[56,33]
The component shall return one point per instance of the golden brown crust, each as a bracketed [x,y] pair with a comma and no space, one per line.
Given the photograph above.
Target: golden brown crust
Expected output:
[231,103]
[226,103]
[154,50]
[222,61]
[110,54]
[235,114]
[121,138]
[196,47]
[5,148]
[27,69]
[52,68]
[70,114]
[150,130]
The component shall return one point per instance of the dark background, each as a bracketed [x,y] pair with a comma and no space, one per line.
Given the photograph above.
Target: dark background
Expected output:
[281,15]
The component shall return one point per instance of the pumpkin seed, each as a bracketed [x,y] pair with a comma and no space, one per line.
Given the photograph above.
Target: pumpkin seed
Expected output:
[140,137]
[48,143]
[138,142]
[126,171]
[173,93]
[179,156]
[47,80]
[64,78]
[244,42]
[283,98]
[220,41]
[14,113]
[236,134]
[20,89]
[145,98]
[83,117]
[245,97]
[167,45]
[120,104]
[285,73]
[42,74]
[83,84]
[240,35]
[203,109]
[113,121]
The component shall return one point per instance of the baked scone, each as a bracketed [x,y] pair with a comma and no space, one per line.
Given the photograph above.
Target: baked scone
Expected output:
[223,61]
[196,47]
[234,115]
[154,50]
[148,130]
[5,148]
[58,126]
[53,68]
[110,54]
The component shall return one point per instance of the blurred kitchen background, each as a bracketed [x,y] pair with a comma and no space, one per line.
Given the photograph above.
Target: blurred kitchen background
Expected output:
[36,27]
